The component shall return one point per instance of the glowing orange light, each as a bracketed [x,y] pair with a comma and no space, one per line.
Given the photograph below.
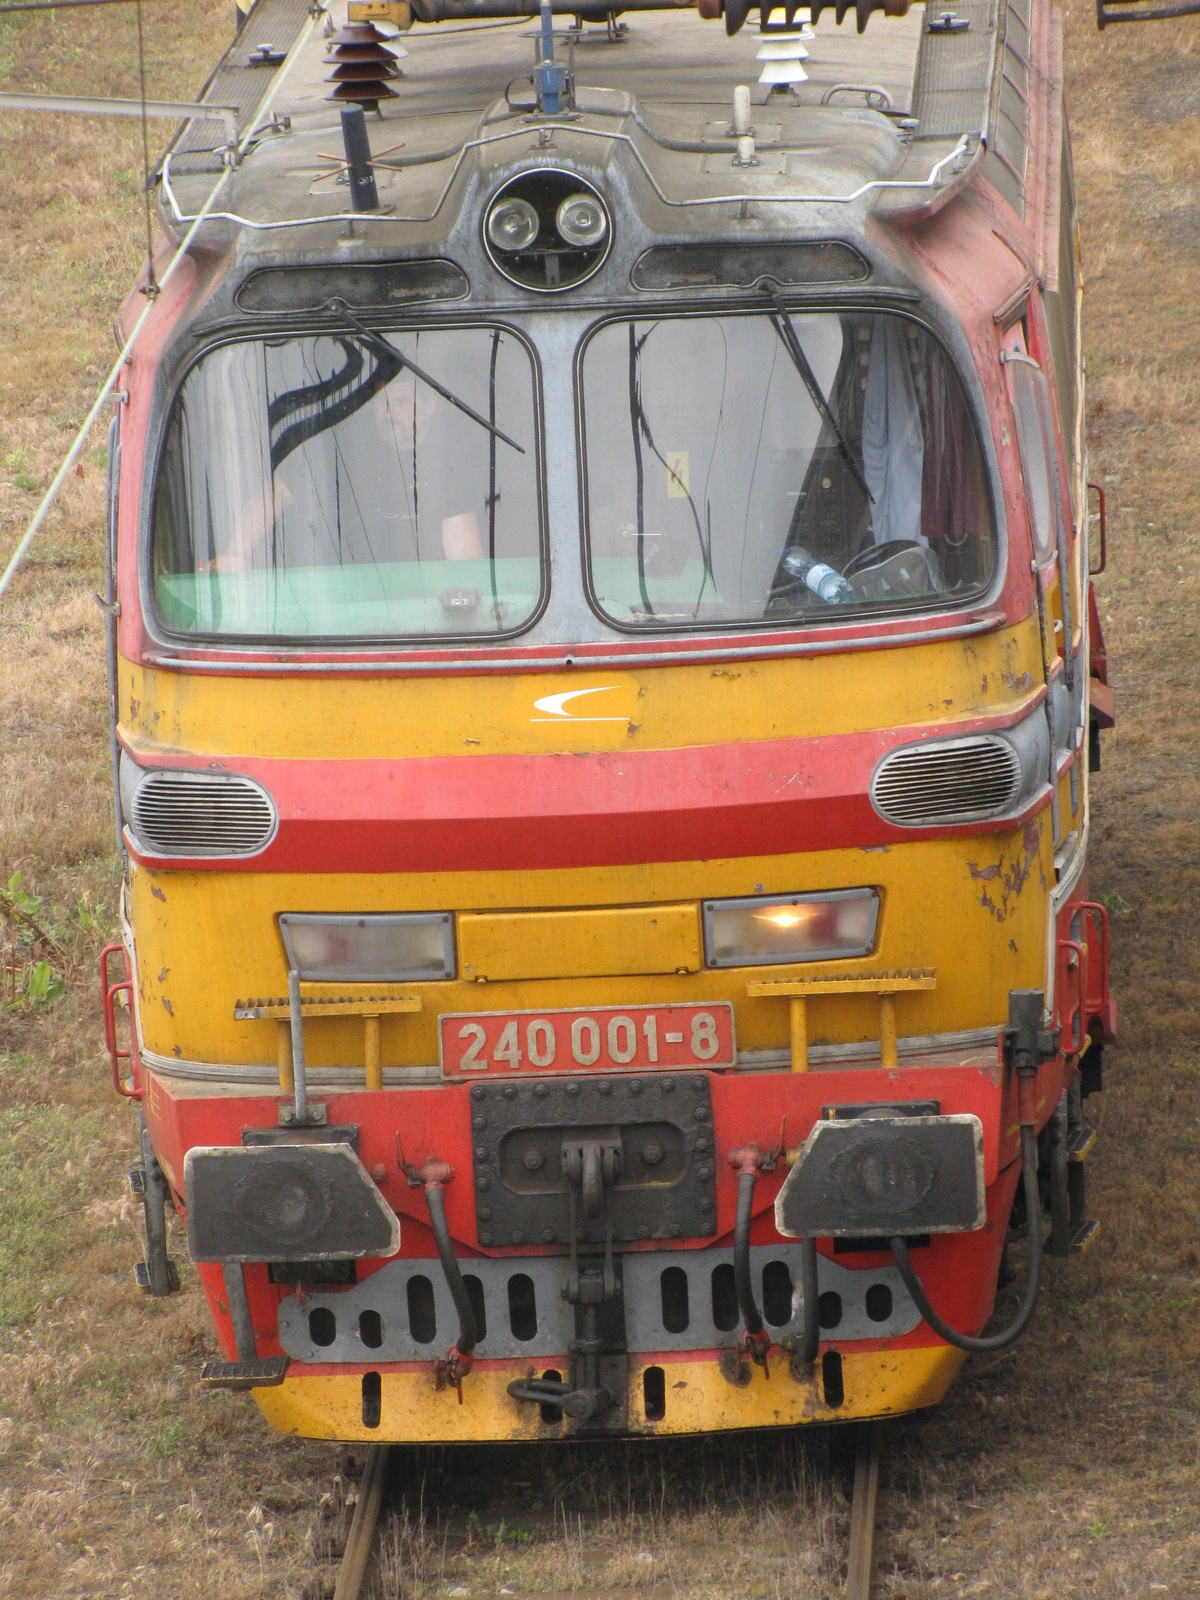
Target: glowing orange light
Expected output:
[789,916]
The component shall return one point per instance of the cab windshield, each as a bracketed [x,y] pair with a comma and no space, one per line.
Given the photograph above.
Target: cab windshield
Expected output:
[352,486]
[778,467]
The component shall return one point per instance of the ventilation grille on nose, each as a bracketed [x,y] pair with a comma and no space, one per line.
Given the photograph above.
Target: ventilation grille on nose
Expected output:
[202,814]
[956,780]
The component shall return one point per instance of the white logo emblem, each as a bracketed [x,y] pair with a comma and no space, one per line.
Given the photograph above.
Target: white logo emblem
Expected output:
[555,705]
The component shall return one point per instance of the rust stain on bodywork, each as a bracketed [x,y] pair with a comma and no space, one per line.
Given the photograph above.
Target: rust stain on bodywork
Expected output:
[1003,880]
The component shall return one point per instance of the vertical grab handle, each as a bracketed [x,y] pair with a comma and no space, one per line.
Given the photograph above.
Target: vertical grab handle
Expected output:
[108,992]
[1071,1021]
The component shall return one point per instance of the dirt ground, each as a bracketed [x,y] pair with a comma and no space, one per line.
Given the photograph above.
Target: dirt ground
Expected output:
[1067,1466]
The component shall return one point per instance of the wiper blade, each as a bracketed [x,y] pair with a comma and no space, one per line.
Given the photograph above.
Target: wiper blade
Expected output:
[782,323]
[378,342]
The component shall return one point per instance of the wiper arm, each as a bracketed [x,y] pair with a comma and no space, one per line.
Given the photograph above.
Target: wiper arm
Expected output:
[782,323]
[377,342]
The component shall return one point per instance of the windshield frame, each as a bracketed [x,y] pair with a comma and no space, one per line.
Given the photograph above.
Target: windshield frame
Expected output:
[842,618]
[257,331]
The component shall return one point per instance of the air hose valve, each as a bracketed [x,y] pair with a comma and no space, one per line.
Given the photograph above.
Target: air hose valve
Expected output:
[1027,1045]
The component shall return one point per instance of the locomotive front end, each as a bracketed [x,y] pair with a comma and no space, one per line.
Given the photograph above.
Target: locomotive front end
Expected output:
[603,691]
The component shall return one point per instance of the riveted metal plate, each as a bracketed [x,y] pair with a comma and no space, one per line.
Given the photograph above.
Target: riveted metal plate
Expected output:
[660,1123]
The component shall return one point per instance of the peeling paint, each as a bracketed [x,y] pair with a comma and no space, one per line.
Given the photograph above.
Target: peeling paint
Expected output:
[1018,682]
[157,892]
[169,1007]
[1004,880]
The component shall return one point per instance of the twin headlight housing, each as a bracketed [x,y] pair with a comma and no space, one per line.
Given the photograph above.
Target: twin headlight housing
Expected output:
[547,230]
[770,930]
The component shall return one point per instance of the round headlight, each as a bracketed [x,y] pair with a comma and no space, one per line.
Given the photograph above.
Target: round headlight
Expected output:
[512,224]
[285,1204]
[581,221]
[882,1175]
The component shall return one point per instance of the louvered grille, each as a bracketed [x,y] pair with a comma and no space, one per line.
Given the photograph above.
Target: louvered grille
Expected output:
[201,814]
[959,780]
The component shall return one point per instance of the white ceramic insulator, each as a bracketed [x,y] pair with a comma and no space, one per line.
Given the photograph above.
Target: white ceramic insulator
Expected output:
[741,111]
[745,151]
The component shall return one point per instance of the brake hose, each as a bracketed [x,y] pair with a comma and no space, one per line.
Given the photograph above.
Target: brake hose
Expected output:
[1033,1211]
[468,1335]
[747,1305]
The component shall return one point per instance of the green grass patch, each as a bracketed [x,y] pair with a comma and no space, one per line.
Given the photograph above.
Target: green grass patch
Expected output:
[46,1156]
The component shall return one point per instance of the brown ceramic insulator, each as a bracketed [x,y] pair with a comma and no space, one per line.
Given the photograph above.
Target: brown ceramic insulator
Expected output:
[366,52]
[363,94]
[357,33]
[354,72]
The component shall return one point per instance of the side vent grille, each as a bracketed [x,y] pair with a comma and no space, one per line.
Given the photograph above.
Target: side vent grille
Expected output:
[202,814]
[954,780]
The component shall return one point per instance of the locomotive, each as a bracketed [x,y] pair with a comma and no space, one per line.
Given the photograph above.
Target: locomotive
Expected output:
[590,969]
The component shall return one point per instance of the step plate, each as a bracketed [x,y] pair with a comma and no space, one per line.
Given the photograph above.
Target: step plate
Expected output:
[1083,1236]
[266,1373]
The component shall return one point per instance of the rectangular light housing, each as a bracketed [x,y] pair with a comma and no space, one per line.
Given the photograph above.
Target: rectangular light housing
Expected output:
[384,948]
[772,930]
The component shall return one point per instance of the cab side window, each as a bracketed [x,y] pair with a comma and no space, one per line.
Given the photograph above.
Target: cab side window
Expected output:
[1060,304]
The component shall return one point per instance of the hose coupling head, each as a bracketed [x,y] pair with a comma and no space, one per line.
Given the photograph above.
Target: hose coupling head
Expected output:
[433,1174]
[758,1347]
[452,1368]
[749,1158]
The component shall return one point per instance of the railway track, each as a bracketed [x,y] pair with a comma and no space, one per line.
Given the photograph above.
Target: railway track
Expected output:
[860,1567]
[361,1539]
[860,1563]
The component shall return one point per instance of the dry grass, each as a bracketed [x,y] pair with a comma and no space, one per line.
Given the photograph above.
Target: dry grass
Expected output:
[1068,1466]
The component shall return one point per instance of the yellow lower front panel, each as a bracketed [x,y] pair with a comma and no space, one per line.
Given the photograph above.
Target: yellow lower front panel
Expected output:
[699,1399]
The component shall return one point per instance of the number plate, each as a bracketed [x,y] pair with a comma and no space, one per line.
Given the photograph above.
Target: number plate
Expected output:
[607,1039]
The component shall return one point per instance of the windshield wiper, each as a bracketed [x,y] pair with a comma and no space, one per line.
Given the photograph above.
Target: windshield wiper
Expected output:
[782,323]
[377,342]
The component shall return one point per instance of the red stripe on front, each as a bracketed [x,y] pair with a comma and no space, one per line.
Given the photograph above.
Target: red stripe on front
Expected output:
[520,812]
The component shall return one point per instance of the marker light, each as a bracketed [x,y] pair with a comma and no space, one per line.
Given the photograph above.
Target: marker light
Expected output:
[512,224]
[390,948]
[581,221]
[784,928]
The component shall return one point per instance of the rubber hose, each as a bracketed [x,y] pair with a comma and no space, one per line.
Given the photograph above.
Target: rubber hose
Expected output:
[747,1304]
[468,1336]
[1033,1211]
[811,1336]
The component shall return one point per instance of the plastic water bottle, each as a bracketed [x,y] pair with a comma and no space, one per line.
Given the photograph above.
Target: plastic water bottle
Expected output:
[826,583]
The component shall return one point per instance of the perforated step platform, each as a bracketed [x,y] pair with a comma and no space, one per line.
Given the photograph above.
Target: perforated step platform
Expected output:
[1083,1236]
[266,1373]
[1079,1142]
[145,1283]
[241,78]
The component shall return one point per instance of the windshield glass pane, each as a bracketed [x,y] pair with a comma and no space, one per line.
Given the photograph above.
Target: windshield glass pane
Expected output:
[338,487]
[757,467]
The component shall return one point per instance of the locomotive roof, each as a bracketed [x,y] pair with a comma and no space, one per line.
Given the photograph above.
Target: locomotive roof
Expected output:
[653,118]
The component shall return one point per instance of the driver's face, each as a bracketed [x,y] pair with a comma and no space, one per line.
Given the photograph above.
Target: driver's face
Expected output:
[404,408]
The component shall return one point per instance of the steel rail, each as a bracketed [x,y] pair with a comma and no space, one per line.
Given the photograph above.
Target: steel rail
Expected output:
[860,1568]
[361,1539]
